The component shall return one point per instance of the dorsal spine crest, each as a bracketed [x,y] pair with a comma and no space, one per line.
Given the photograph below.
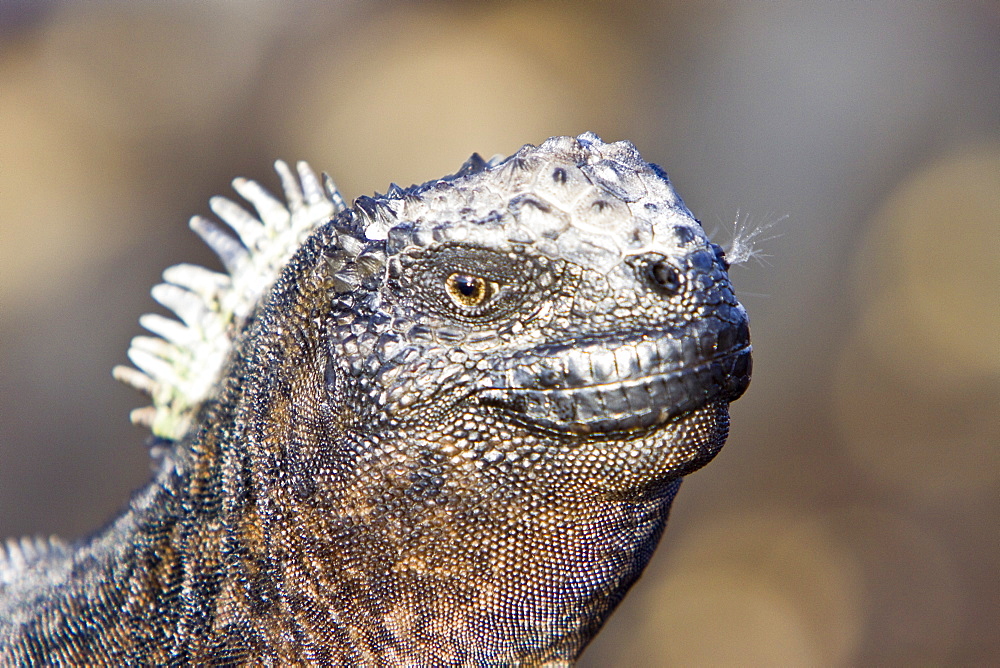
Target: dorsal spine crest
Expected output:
[181,366]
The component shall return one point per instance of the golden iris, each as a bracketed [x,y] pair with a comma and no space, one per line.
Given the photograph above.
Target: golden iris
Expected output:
[467,290]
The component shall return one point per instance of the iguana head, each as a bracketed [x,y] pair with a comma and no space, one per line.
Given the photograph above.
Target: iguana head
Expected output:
[560,309]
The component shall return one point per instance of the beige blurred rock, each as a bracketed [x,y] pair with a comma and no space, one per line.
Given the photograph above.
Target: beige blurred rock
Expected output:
[411,95]
[61,191]
[759,589]
[916,600]
[929,274]
[152,68]
[917,391]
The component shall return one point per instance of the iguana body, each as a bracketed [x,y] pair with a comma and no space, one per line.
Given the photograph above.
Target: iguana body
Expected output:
[449,434]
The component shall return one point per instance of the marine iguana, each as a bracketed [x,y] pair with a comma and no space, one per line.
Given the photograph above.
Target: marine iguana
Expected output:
[443,426]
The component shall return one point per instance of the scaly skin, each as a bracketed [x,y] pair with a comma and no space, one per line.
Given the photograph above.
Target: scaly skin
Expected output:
[449,435]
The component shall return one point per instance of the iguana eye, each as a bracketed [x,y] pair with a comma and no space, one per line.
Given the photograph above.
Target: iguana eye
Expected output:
[469,291]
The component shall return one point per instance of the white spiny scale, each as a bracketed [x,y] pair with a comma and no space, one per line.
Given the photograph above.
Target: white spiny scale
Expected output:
[180,367]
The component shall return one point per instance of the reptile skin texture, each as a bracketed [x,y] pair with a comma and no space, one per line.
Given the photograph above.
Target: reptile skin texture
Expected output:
[446,432]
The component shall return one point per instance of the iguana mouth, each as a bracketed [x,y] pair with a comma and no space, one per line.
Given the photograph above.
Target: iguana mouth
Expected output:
[627,383]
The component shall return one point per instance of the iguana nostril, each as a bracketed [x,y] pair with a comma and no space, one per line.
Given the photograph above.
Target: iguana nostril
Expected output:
[664,277]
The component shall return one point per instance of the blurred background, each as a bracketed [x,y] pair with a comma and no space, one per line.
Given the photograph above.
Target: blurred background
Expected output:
[853,517]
